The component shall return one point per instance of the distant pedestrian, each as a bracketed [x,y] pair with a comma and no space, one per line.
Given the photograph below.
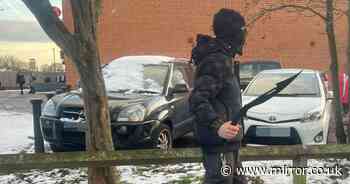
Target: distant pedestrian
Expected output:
[21,81]
[31,80]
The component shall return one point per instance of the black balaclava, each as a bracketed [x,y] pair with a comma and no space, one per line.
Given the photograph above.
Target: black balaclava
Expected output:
[229,26]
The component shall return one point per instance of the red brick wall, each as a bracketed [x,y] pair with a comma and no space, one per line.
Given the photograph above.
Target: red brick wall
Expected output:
[134,27]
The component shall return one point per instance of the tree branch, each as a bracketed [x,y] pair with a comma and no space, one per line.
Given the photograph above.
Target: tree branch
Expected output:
[52,25]
[266,11]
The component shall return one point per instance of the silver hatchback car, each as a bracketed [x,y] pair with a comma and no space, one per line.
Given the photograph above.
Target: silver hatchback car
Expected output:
[300,114]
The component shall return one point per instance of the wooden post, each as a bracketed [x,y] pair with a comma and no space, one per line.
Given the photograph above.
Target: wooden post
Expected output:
[299,177]
[38,137]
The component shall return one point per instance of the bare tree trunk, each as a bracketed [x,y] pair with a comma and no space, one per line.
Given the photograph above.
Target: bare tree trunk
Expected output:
[340,133]
[95,104]
[82,48]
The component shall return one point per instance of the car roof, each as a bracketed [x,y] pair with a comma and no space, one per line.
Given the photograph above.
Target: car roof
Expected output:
[290,70]
[260,62]
[145,58]
[152,58]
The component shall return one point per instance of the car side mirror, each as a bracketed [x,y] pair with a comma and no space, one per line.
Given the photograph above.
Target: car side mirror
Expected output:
[330,95]
[180,88]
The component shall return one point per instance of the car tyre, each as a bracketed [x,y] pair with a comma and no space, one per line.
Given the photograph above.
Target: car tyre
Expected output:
[164,139]
[57,148]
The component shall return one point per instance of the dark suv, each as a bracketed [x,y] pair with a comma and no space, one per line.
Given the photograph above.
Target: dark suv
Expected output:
[147,100]
[248,69]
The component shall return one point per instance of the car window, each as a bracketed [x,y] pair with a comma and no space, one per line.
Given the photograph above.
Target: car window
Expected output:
[154,77]
[179,76]
[189,74]
[306,84]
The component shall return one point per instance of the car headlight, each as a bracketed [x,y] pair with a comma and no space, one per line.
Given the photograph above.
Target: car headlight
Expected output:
[132,113]
[312,115]
[50,108]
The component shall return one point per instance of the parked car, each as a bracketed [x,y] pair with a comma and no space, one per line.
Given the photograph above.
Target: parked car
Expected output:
[299,114]
[248,69]
[147,97]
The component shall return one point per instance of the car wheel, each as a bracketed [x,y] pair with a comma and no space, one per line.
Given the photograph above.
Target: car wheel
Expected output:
[57,148]
[165,139]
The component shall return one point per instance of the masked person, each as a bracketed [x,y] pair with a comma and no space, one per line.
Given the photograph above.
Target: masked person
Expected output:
[215,100]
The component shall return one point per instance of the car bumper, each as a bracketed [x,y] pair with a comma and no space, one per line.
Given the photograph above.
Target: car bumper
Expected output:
[135,135]
[257,132]
[72,134]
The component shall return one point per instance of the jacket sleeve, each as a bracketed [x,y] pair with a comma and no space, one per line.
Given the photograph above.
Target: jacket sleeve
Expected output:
[209,82]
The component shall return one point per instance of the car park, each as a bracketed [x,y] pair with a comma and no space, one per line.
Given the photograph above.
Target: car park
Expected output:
[299,114]
[147,97]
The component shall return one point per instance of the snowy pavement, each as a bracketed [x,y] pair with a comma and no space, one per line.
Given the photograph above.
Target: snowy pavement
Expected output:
[12,101]
[15,133]
[16,136]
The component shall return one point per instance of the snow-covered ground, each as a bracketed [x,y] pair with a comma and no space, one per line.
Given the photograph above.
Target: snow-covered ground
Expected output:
[16,136]
[16,130]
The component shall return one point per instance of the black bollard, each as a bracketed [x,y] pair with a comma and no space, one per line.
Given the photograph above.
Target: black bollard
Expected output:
[38,137]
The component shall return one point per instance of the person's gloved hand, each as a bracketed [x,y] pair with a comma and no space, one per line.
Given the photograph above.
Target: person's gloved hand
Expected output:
[228,131]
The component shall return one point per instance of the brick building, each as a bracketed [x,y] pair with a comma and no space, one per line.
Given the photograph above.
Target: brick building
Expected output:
[169,27]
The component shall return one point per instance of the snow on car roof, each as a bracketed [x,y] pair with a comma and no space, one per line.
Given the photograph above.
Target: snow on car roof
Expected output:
[144,59]
[128,72]
[290,70]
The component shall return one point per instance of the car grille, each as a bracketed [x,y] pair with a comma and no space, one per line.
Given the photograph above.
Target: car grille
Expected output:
[275,122]
[72,113]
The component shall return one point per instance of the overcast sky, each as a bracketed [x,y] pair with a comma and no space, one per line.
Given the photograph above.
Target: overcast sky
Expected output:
[18,24]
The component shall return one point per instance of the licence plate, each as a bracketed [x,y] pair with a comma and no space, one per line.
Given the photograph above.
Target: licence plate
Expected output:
[272,132]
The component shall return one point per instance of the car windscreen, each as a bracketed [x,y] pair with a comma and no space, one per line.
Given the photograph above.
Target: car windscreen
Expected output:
[247,70]
[306,84]
[135,77]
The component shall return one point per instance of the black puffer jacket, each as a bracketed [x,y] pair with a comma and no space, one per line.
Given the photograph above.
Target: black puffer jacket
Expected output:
[215,98]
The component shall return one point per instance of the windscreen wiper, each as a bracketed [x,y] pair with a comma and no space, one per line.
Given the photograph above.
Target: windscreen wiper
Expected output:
[296,94]
[266,96]
[118,91]
[147,91]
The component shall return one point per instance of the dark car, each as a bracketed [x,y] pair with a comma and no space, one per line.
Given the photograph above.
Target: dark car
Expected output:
[249,69]
[148,105]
